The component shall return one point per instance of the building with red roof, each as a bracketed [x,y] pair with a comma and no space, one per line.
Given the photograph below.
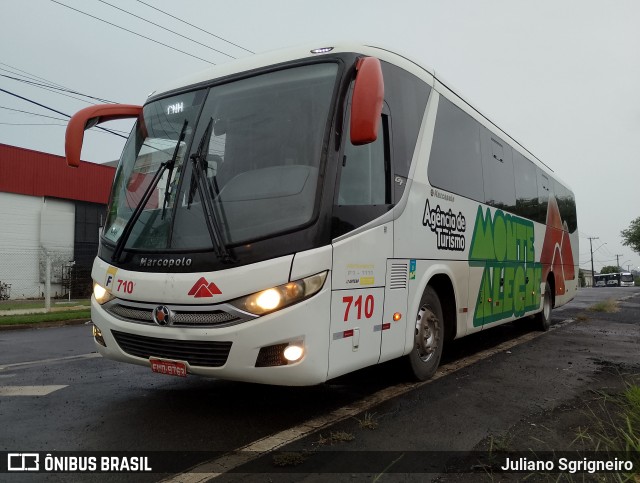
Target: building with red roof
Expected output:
[49,210]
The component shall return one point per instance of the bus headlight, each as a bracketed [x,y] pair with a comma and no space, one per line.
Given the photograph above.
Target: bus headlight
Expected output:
[276,298]
[101,294]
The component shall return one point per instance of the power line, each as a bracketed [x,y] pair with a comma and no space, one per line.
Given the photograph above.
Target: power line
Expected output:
[165,28]
[31,124]
[50,89]
[62,89]
[134,33]
[195,27]
[55,110]
[29,75]
[37,80]
[32,113]
[53,117]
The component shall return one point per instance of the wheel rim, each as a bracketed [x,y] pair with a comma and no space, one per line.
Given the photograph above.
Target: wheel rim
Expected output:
[427,334]
[547,306]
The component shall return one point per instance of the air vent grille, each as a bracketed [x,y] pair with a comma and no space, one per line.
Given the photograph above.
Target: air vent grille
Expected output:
[398,277]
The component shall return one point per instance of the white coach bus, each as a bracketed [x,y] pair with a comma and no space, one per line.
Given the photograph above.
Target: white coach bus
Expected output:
[291,217]
[626,279]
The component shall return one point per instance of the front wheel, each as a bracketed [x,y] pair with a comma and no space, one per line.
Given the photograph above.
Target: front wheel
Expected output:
[428,339]
[543,319]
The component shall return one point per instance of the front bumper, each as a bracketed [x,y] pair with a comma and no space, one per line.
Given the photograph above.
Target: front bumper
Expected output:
[228,352]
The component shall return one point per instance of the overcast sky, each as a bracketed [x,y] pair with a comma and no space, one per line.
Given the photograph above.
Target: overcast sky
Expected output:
[561,77]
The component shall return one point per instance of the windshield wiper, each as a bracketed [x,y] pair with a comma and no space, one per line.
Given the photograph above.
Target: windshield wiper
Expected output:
[170,166]
[199,179]
[128,228]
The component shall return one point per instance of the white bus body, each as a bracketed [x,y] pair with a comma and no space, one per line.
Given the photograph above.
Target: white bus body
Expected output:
[626,279]
[377,249]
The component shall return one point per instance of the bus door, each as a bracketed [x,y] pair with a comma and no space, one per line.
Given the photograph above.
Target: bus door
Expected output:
[357,299]
[360,254]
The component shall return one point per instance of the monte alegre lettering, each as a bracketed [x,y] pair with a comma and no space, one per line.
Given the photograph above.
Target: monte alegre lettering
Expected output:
[505,246]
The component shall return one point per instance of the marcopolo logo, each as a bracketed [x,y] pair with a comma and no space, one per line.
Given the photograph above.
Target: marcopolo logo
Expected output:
[447,226]
[442,196]
[165,262]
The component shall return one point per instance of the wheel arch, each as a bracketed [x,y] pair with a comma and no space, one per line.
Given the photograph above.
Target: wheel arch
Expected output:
[442,280]
[443,286]
[551,279]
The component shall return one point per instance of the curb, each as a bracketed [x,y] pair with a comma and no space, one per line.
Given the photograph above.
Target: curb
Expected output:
[45,325]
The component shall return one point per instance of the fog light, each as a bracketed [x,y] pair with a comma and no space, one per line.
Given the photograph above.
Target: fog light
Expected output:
[293,353]
[97,335]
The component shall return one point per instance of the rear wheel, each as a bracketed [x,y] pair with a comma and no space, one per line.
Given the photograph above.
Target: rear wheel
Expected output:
[543,319]
[428,337]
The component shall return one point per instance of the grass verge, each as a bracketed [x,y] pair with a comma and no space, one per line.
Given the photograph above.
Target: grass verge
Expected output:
[39,304]
[620,429]
[609,306]
[31,319]
[615,427]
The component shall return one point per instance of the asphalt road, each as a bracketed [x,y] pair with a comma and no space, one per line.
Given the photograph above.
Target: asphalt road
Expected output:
[100,405]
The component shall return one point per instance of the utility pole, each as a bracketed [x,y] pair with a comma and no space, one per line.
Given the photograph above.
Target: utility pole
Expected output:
[593,273]
[618,261]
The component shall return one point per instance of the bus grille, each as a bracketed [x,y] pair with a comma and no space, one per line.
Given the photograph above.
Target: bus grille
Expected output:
[272,356]
[195,352]
[179,318]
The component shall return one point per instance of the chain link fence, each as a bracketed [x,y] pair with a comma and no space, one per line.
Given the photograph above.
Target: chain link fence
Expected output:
[23,272]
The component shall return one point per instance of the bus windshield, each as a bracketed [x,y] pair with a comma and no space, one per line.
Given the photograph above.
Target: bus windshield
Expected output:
[626,277]
[260,170]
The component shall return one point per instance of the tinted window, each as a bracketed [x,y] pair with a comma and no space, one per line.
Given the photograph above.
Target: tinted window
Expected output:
[526,188]
[364,186]
[455,163]
[406,96]
[567,206]
[364,179]
[497,170]
[545,189]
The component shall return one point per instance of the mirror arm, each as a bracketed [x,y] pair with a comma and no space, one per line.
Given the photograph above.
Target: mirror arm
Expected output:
[89,117]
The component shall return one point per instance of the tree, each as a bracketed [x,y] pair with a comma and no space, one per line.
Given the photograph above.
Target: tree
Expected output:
[631,235]
[610,269]
[581,280]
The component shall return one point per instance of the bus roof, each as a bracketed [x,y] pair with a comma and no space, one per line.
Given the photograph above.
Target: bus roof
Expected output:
[427,74]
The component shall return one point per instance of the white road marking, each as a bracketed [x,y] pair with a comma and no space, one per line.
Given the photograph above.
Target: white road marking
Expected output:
[19,365]
[28,390]
[214,468]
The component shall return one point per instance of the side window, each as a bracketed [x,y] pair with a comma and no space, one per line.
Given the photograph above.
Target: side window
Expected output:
[364,179]
[567,206]
[545,189]
[407,98]
[364,183]
[455,163]
[526,188]
[497,171]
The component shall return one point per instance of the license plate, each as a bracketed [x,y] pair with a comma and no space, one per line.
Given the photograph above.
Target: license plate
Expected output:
[170,368]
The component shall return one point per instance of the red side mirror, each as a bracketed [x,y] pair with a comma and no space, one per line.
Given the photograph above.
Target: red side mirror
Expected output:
[366,105]
[89,117]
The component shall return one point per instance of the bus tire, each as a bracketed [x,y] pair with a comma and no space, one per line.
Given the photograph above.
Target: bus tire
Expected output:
[543,318]
[428,336]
